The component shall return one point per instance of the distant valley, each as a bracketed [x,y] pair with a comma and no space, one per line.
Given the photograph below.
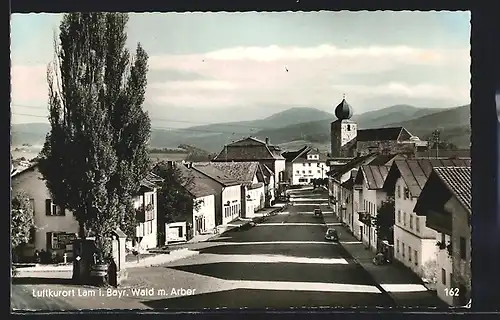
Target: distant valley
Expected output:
[293,128]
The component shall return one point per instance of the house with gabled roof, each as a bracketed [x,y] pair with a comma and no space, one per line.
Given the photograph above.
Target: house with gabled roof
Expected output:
[304,165]
[201,219]
[56,227]
[415,243]
[228,191]
[252,190]
[368,197]
[445,201]
[253,149]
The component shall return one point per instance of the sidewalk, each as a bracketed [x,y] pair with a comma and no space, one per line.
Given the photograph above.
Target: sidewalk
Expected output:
[402,285]
[149,261]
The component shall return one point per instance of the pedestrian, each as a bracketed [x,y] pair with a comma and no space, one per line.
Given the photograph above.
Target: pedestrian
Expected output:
[37,256]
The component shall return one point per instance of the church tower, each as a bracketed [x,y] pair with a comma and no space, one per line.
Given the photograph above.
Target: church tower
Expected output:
[342,130]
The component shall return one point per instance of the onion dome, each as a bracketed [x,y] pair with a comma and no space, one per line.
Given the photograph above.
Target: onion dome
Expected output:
[343,110]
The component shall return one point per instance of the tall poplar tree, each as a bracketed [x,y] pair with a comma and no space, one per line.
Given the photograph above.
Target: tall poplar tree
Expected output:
[95,155]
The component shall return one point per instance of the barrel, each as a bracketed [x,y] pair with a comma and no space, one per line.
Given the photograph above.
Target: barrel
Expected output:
[99,270]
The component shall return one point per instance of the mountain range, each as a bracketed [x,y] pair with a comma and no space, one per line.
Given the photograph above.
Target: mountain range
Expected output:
[293,128]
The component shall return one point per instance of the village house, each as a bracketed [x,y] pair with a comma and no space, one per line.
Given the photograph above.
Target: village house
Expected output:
[445,201]
[201,217]
[228,192]
[415,243]
[368,197]
[56,228]
[267,176]
[253,197]
[253,149]
[146,204]
[304,165]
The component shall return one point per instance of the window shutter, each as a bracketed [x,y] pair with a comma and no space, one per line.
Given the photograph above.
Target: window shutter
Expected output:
[49,240]
[48,207]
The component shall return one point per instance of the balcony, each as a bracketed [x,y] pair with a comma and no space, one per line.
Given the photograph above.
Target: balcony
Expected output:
[365,218]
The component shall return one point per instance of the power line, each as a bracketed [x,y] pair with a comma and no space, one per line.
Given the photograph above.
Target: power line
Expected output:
[156,127]
[165,119]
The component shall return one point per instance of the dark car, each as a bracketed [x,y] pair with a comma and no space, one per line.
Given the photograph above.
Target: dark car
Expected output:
[318,212]
[332,235]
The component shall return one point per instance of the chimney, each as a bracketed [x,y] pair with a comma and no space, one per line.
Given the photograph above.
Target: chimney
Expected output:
[267,141]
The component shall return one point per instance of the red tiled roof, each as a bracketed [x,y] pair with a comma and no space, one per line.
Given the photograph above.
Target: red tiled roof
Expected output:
[243,172]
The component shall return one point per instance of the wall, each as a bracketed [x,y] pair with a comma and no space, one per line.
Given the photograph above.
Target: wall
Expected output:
[218,199]
[232,195]
[412,229]
[253,204]
[148,230]
[461,267]
[176,232]
[368,203]
[206,213]
[444,262]
[300,170]
[30,182]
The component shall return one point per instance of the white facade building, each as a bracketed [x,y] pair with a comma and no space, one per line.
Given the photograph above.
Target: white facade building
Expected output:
[231,203]
[304,165]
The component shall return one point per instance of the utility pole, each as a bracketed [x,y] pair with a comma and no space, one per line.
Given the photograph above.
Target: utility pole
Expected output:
[436,139]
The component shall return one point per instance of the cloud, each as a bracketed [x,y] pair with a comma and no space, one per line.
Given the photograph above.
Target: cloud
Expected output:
[250,77]
[29,84]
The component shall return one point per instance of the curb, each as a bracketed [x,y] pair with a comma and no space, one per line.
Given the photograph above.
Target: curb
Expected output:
[156,264]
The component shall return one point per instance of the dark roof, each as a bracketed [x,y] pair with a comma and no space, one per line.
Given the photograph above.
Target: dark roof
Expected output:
[193,183]
[382,159]
[255,185]
[290,155]
[458,181]
[354,163]
[349,183]
[415,172]
[243,172]
[207,169]
[267,171]
[374,176]
[249,149]
[379,134]
[263,174]
[460,153]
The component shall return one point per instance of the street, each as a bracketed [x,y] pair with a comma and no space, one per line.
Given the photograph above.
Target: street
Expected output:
[283,262]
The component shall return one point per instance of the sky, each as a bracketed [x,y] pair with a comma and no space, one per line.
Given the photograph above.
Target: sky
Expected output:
[219,67]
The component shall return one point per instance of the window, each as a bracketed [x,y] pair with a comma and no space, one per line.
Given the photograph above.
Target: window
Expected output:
[304,164]
[51,209]
[404,219]
[443,238]
[310,171]
[463,253]
[32,235]
[319,171]
[317,164]
[417,224]
[411,221]
[416,257]
[399,192]
[409,253]
[443,276]
[303,171]
[399,216]
[152,199]
[309,164]
[403,249]
[298,171]
[397,246]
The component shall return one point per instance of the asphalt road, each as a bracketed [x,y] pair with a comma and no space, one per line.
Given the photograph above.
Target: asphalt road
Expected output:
[281,263]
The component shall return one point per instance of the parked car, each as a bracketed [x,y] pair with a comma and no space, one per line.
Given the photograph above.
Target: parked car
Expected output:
[332,235]
[318,212]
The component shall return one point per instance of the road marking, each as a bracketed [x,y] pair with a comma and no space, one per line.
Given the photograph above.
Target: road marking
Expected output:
[306,286]
[268,258]
[276,242]
[351,242]
[404,287]
[333,224]
[288,224]
[311,204]
[308,199]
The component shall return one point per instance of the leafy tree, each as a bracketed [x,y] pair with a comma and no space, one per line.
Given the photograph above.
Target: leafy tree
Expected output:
[175,203]
[430,271]
[22,220]
[384,221]
[95,154]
